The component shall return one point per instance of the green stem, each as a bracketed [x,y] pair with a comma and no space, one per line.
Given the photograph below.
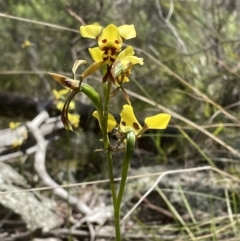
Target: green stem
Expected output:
[125,166]
[107,90]
[114,197]
[117,206]
[130,144]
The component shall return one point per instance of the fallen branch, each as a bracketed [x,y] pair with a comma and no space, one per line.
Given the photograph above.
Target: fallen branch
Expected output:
[39,165]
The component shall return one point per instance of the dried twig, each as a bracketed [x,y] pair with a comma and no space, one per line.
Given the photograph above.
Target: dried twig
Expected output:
[40,168]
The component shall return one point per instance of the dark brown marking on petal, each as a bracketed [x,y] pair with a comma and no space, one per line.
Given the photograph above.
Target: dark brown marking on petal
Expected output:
[112,58]
[104,41]
[116,42]
[114,50]
[105,56]
[136,126]
[123,123]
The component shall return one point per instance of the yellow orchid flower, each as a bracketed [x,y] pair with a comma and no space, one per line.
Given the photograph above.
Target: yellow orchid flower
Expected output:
[13,125]
[130,123]
[110,39]
[26,44]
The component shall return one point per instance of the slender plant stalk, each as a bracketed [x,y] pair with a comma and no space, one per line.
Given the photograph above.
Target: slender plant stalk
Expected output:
[107,90]
[117,206]
[130,144]
[114,197]
[125,167]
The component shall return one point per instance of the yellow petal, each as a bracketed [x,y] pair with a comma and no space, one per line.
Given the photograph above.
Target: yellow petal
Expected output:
[135,60]
[159,121]
[96,54]
[128,120]
[74,119]
[26,44]
[60,105]
[14,125]
[111,121]
[91,69]
[60,95]
[63,92]
[127,31]
[127,59]
[110,38]
[125,79]
[56,94]
[90,31]
[72,105]
[126,52]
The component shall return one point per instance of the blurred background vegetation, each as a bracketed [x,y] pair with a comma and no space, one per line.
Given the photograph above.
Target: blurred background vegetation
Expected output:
[191,66]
